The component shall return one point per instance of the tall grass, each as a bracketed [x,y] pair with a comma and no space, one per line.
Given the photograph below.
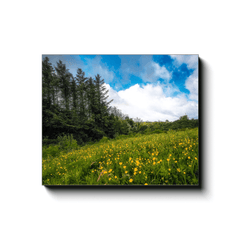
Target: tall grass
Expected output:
[166,158]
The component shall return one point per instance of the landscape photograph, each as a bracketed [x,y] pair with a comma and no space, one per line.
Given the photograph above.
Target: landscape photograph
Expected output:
[115,120]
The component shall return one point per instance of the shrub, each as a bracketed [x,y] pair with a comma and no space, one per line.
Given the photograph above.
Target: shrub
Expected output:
[67,142]
[104,139]
[116,135]
[50,151]
[47,142]
[122,136]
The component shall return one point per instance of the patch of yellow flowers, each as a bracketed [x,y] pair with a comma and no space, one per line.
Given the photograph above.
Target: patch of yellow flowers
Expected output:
[163,159]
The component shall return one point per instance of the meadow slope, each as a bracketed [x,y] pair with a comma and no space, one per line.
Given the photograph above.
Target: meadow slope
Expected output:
[167,159]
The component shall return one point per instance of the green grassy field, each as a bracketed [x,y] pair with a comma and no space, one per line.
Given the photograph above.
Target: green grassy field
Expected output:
[158,159]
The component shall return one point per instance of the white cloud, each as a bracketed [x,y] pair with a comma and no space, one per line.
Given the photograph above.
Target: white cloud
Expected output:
[95,66]
[153,71]
[190,60]
[151,103]
[143,67]
[192,85]
[192,81]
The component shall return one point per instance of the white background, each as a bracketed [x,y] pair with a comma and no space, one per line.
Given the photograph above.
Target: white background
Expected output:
[32,28]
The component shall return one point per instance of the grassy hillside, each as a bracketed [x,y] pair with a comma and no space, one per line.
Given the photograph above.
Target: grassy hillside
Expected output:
[166,158]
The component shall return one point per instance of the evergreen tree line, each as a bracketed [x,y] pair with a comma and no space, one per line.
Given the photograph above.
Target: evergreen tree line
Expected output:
[78,105]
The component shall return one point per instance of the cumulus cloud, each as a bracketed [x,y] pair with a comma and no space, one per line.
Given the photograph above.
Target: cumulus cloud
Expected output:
[153,71]
[192,85]
[143,67]
[95,66]
[191,82]
[190,60]
[151,103]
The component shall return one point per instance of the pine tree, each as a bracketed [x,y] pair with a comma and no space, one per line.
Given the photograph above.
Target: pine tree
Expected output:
[75,106]
[91,96]
[74,99]
[64,77]
[47,82]
[82,96]
[55,90]
[101,103]
[47,97]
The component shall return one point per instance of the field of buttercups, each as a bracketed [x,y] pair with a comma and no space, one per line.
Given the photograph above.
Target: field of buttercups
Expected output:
[158,159]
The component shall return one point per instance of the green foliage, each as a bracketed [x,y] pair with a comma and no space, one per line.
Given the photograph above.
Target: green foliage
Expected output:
[46,141]
[158,127]
[53,147]
[158,159]
[67,142]
[157,131]
[52,150]
[143,128]
[118,137]
[184,118]
[104,140]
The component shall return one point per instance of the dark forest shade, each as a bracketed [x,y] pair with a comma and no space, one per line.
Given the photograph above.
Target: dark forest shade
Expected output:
[73,105]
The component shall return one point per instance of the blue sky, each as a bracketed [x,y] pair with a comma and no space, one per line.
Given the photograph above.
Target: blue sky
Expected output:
[151,87]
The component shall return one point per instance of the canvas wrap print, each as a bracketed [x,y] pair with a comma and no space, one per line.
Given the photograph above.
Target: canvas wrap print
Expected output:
[120,120]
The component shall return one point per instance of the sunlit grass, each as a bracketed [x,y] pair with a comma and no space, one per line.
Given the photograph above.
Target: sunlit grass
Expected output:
[166,159]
